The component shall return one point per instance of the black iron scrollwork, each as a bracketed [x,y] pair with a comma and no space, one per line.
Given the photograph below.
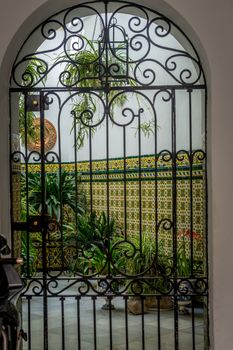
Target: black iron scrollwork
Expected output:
[153,51]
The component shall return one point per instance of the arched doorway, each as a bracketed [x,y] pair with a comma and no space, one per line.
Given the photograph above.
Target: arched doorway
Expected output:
[109,180]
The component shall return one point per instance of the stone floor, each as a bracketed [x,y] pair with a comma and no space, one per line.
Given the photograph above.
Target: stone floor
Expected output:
[105,319]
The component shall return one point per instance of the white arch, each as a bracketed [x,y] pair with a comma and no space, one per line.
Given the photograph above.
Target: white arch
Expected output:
[30,17]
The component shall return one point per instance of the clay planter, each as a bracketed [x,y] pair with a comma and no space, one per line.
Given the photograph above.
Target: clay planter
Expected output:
[150,302]
[165,302]
[135,305]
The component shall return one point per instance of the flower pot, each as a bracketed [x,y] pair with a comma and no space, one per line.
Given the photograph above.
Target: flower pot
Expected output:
[137,305]
[163,302]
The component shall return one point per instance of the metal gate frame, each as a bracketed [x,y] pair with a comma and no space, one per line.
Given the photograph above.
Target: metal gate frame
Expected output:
[110,75]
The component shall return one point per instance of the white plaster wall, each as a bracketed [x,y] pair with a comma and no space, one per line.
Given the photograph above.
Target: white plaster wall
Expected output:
[209,25]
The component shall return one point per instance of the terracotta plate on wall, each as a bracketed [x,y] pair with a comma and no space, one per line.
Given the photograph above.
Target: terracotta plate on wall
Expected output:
[50,136]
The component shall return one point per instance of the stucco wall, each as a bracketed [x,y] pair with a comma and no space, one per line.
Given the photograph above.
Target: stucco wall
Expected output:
[209,25]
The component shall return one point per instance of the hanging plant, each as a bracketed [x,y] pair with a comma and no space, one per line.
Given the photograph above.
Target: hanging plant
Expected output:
[84,70]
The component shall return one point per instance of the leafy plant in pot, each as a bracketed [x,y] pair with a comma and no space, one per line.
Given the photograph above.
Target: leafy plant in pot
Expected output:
[64,198]
[96,256]
[186,266]
[93,236]
[151,272]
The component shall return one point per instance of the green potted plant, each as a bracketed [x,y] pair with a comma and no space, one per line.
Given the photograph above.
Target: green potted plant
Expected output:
[150,271]
[96,258]
[186,267]
[92,236]
[60,199]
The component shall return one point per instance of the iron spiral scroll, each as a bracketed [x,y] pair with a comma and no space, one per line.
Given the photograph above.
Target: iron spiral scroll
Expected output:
[142,33]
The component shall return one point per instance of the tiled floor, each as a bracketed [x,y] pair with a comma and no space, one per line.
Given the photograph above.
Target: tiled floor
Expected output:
[103,323]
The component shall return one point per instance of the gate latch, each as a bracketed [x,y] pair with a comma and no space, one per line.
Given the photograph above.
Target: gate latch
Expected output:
[33,224]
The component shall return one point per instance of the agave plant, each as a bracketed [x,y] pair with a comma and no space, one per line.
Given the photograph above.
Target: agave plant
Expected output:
[91,228]
[94,238]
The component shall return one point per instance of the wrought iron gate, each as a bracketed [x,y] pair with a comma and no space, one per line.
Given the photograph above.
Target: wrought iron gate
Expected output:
[108,174]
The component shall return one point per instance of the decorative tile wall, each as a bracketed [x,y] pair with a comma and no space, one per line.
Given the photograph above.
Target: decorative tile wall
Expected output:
[146,196]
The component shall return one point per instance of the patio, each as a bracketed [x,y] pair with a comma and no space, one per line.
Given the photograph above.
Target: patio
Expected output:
[95,323]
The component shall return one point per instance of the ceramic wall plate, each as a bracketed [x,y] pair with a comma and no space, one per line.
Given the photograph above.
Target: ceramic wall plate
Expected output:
[50,136]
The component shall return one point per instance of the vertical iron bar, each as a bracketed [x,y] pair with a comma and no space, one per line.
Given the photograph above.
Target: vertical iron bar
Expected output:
[44,228]
[191,178]
[125,184]
[126,323]
[191,206]
[62,299]
[193,323]
[174,208]
[61,217]
[78,323]
[28,297]
[91,174]
[206,267]
[143,322]
[113,38]
[106,88]
[106,42]
[110,321]
[26,180]
[76,179]
[159,323]
[11,175]
[60,190]
[127,62]
[107,179]
[76,221]
[94,322]
[156,188]
[140,180]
